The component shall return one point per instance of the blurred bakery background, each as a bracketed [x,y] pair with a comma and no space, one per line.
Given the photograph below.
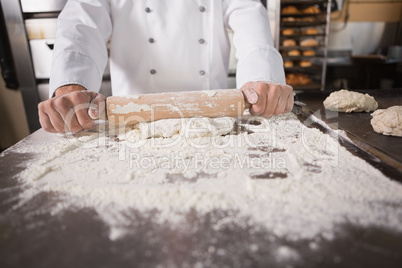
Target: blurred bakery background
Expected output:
[326,45]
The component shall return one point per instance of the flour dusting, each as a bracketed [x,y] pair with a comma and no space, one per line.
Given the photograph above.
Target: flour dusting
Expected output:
[295,181]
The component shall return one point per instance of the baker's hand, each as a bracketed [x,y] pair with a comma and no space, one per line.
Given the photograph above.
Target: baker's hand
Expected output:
[73,109]
[268,98]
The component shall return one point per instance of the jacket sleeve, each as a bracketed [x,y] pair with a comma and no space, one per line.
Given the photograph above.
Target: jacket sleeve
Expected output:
[80,52]
[258,60]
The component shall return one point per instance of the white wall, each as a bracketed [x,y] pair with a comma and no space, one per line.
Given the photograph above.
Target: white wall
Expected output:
[361,37]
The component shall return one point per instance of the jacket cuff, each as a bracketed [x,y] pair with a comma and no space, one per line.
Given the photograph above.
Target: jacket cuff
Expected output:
[261,64]
[71,67]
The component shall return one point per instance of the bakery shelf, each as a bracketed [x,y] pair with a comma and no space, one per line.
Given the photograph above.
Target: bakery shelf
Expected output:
[299,24]
[312,86]
[282,48]
[299,58]
[298,21]
[303,15]
[314,69]
[301,35]
[303,2]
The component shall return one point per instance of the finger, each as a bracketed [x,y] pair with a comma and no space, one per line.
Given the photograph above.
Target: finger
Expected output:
[71,121]
[250,95]
[259,107]
[273,96]
[97,107]
[282,101]
[57,121]
[280,107]
[81,112]
[64,107]
[289,102]
[44,120]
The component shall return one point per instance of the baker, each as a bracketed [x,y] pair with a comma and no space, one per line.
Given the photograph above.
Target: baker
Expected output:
[159,46]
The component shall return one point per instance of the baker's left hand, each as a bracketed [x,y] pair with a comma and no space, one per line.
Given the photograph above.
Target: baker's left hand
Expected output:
[268,98]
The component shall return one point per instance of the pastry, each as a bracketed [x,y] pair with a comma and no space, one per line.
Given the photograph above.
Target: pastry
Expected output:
[288,63]
[289,19]
[310,31]
[311,10]
[288,32]
[309,53]
[305,63]
[297,79]
[309,43]
[307,19]
[289,43]
[290,10]
[294,53]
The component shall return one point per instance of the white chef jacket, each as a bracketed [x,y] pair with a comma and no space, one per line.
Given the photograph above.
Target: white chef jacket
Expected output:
[162,45]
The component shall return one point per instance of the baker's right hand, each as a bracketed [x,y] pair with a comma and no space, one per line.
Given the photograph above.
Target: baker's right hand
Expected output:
[73,109]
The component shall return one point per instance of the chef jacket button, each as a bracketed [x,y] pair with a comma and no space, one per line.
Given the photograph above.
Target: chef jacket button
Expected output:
[201,41]
[202,72]
[151,40]
[152,71]
[202,8]
[148,10]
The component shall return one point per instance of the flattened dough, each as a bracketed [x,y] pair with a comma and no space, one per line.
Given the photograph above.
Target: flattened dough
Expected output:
[188,127]
[349,101]
[388,121]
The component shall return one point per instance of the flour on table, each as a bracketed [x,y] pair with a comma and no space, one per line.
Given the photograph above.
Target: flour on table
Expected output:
[188,127]
[388,121]
[349,101]
[294,181]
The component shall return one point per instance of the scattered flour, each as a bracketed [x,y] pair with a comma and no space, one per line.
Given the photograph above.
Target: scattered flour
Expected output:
[295,181]
[131,108]
[210,93]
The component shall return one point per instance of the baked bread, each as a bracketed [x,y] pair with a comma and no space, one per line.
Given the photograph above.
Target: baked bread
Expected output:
[310,31]
[288,32]
[311,10]
[289,43]
[307,19]
[309,43]
[289,19]
[297,79]
[294,53]
[308,53]
[288,64]
[290,10]
[305,63]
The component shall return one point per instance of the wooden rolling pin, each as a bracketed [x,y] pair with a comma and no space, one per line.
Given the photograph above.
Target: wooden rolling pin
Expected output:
[130,110]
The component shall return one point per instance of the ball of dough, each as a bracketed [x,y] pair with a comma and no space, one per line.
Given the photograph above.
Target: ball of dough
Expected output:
[388,121]
[349,101]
